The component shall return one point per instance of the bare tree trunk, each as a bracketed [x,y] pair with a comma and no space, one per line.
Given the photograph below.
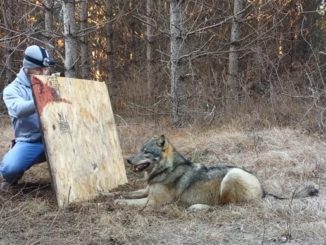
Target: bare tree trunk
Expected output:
[149,46]
[69,21]
[7,10]
[233,71]
[48,25]
[84,59]
[177,64]
[109,40]
[259,50]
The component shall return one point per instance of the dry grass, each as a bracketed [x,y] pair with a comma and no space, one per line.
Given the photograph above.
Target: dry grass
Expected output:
[283,159]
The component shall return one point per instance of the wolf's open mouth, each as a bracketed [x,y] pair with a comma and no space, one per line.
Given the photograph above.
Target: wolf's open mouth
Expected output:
[140,167]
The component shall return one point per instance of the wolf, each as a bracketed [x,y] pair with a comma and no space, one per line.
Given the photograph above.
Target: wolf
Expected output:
[172,178]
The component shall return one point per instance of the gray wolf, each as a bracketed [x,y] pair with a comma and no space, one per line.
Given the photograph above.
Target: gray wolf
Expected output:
[172,178]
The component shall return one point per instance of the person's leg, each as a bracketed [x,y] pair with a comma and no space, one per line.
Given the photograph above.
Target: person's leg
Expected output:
[20,158]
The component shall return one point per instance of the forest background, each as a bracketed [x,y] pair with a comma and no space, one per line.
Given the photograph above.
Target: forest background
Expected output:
[255,63]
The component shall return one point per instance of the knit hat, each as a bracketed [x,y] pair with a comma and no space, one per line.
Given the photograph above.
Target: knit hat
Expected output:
[36,56]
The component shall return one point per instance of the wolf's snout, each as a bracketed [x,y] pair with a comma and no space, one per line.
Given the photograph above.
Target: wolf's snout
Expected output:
[129,160]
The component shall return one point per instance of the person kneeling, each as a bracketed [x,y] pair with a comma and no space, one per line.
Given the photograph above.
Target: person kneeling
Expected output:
[27,148]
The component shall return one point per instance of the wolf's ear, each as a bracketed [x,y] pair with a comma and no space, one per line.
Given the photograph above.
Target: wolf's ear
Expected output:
[161,141]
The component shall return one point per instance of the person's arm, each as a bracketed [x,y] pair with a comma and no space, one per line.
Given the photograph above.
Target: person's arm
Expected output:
[17,106]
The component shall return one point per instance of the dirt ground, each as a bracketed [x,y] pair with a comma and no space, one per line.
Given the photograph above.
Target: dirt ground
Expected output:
[284,159]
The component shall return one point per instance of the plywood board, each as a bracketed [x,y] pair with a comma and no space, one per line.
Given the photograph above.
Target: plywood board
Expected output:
[80,136]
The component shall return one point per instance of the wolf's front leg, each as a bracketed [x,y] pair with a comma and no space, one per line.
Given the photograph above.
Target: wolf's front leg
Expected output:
[136,194]
[142,202]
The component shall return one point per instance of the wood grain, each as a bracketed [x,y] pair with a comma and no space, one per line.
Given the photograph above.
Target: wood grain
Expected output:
[80,136]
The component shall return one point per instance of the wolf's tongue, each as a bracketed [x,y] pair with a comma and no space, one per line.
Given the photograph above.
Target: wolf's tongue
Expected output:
[137,168]
[140,167]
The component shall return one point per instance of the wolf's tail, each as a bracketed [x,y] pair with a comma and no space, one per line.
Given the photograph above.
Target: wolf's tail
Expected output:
[307,191]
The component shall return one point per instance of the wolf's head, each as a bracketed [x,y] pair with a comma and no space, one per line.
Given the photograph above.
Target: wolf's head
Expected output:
[150,154]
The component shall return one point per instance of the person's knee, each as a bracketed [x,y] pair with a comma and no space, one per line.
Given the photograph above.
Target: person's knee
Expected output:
[9,172]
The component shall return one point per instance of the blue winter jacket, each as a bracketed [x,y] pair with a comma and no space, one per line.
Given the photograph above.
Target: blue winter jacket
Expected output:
[21,108]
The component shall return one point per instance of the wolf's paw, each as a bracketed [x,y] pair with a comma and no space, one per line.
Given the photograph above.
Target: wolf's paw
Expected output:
[120,202]
[111,194]
[199,207]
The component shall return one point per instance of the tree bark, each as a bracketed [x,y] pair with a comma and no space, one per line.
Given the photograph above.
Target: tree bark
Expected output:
[7,9]
[149,46]
[69,25]
[259,61]
[109,41]
[48,25]
[233,69]
[84,59]
[177,64]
